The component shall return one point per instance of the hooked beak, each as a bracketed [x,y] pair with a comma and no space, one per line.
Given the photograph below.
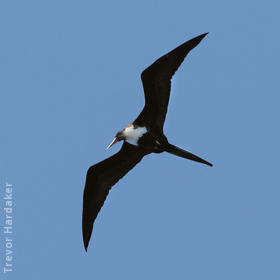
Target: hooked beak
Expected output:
[115,140]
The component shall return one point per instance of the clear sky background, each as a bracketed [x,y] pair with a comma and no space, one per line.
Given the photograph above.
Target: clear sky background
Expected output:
[70,79]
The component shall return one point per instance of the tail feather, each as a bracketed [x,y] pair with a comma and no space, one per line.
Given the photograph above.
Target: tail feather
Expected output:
[184,154]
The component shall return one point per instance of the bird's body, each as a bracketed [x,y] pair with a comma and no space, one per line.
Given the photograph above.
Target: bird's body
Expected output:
[141,137]
[134,133]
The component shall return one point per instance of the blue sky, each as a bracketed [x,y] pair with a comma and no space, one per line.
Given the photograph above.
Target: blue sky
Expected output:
[70,78]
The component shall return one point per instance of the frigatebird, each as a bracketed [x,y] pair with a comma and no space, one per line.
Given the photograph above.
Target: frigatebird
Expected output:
[140,138]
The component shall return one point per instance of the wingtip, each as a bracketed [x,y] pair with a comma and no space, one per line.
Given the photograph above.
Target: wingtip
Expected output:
[202,35]
[196,40]
[86,247]
[85,241]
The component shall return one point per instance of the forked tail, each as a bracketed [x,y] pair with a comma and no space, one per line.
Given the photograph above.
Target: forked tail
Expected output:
[184,154]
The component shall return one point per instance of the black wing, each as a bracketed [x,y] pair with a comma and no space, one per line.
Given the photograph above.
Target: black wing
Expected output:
[100,178]
[156,81]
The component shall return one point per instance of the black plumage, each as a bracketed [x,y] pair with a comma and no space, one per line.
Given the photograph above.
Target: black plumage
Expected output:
[99,180]
[143,136]
[156,81]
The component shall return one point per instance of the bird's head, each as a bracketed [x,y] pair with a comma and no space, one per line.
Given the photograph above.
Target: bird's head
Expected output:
[118,137]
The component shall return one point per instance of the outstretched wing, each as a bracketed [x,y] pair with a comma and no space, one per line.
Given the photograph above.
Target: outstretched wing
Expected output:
[156,81]
[99,180]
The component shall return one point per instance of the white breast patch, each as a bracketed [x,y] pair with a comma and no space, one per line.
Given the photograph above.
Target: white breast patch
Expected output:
[132,134]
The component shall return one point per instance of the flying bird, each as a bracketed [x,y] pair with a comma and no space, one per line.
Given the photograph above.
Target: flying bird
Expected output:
[140,138]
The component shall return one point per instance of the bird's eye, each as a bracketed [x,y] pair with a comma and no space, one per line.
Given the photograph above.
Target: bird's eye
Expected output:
[119,136]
